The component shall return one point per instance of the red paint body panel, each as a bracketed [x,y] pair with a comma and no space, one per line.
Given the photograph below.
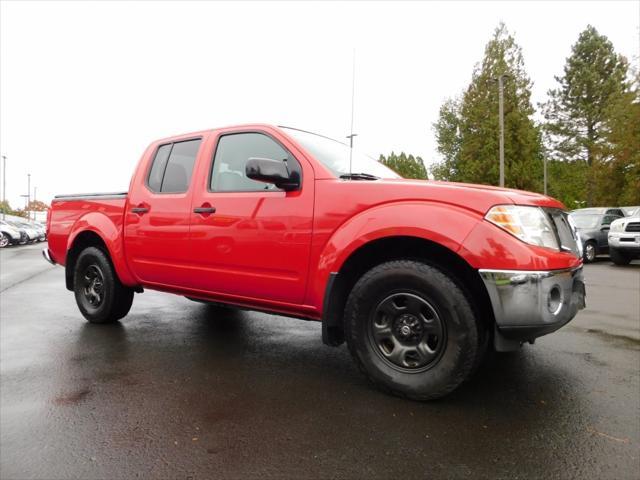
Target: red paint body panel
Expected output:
[256,245]
[275,250]
[70,218]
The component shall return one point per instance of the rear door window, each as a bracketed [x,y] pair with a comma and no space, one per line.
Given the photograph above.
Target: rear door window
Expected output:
[158,167]
[173,166]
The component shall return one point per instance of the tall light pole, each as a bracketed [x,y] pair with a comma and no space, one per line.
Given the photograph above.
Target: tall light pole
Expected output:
[28,195]
[501,116]
[353,96]
[545,174]
[4,185]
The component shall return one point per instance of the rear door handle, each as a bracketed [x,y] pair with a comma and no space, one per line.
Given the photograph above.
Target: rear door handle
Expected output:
[140,210]
[204,210]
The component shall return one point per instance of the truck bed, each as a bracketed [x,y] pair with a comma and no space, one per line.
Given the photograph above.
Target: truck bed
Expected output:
[69,215]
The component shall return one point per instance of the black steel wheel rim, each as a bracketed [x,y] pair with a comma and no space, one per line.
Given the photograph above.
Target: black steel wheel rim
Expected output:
[93,286]
[407,332]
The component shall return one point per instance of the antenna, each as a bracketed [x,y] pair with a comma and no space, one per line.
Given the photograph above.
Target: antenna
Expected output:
[353,95]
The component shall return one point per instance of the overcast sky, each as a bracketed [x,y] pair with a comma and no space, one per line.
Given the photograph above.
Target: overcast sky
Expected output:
[86,86]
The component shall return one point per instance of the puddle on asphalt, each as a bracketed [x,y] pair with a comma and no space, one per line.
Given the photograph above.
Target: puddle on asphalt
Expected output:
[610,337]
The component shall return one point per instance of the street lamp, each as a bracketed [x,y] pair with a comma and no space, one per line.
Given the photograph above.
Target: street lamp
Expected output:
[28,195]
[500,81]
[4,185]
[350,137]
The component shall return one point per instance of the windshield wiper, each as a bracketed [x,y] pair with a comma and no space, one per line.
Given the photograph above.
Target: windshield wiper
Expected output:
[358,176]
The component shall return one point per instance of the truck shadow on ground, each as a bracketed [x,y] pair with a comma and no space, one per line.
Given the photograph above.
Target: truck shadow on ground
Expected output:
[292,350]
[204,339]
[242,377]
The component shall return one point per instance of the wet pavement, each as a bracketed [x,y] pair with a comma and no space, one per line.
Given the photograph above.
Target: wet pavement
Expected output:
[182,390]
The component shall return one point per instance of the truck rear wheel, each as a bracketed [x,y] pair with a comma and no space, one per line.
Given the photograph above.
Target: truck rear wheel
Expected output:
[411,330]
[99,294]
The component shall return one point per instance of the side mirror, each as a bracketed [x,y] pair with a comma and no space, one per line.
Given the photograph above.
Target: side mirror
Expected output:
[272,171]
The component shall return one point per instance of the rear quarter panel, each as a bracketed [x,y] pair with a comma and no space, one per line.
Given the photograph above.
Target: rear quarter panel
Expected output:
[104,217]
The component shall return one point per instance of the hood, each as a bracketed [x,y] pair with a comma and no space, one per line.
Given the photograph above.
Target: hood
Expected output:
[621,223]
[474,197]
[9,228]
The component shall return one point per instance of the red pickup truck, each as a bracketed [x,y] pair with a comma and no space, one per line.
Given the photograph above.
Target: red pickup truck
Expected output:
[419,277]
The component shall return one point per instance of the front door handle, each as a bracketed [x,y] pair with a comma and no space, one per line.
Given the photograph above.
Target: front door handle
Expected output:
[140,210]
[202,210]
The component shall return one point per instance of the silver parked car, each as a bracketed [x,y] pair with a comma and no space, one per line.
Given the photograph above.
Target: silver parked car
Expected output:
[42,231]
[10,235]
[32,233]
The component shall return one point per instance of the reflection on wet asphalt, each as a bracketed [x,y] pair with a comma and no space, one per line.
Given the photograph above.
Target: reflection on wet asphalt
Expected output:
[183,390]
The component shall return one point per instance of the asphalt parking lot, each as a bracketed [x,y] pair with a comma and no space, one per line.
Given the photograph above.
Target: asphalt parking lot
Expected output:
[182,390]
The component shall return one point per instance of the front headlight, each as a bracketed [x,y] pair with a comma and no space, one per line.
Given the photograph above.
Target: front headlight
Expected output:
[529,224]
[616,227]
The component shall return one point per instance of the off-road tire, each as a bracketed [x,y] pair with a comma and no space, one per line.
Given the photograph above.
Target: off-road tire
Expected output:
[115,299]
[462,345]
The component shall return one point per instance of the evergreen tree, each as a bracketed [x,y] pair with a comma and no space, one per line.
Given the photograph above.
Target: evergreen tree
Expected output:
[407,166]
[447,130]
[467,131]
[577,111]
[618,172]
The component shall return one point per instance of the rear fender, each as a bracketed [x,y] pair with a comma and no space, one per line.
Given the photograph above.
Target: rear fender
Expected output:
[111,235]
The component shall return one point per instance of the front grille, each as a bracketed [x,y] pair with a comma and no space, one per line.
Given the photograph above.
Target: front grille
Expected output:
[564,231]
[633,227]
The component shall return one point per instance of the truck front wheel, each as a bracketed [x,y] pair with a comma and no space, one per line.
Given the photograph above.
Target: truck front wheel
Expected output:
[99,294]
[411,330]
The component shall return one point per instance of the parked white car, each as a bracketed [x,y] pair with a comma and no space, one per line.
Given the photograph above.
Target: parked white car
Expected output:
[624,240]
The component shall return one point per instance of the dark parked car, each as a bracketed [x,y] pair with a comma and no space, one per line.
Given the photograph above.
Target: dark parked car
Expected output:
[593,227]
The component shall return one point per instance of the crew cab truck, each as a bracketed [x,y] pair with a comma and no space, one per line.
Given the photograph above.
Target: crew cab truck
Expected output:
[418,277]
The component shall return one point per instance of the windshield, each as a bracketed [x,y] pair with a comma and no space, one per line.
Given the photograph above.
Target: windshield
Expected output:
[335,155]
[582,220]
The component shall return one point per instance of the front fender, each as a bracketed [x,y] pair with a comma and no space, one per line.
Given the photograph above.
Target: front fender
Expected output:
[111,234]
[444,224]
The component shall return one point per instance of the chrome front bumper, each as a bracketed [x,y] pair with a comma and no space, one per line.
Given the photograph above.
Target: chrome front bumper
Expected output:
[529,304]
